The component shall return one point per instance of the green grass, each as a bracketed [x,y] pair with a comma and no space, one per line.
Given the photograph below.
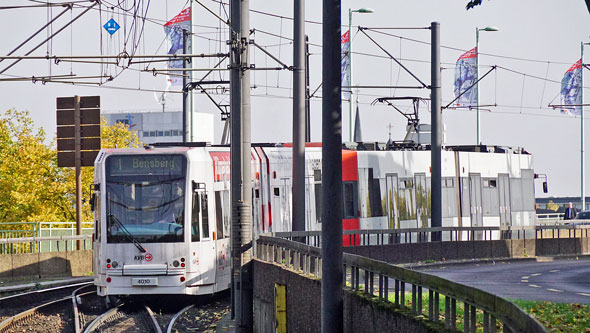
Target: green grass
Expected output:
[460,320]
[558,317]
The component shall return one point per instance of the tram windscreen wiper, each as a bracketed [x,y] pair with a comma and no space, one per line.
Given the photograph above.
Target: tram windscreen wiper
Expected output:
[127,233]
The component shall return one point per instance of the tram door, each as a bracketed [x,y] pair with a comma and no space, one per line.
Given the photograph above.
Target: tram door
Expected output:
[256,210]
[504,199]
[421,201]
[475,198]
[391,184]
[286,204]
[202,242]
[308,218]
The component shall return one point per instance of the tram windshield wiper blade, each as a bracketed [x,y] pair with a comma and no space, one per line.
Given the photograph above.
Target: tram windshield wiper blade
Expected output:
[128,234]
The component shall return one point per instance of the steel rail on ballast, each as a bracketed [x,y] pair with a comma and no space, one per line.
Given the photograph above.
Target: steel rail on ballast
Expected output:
[9,324]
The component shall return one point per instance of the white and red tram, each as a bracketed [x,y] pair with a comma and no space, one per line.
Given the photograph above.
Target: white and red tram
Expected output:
[162,215]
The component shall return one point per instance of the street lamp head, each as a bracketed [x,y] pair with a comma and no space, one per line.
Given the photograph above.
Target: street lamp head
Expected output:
[364,10]
[489,29]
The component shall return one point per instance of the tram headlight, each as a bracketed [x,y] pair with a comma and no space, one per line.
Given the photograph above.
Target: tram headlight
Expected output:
[115,264]
[175,263]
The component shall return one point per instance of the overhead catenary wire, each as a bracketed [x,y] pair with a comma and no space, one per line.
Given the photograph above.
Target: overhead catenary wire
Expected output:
[50,37]
[459,49]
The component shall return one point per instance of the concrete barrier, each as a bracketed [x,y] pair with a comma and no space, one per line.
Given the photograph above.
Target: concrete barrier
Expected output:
[45,264]
[361,313]
[479,249]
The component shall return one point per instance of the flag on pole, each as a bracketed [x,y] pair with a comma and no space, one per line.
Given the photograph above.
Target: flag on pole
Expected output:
[174,29]
[465,77]
[345,64]
[571,88]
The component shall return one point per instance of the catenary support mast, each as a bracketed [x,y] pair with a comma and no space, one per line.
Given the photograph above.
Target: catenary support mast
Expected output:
[332,312]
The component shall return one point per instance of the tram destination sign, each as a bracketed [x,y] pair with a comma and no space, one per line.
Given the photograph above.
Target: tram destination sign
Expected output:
[149,164]
[88,113]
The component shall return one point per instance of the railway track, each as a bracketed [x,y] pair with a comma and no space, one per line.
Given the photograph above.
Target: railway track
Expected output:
[15,304]
[52,316]
[125,318]
[77,308]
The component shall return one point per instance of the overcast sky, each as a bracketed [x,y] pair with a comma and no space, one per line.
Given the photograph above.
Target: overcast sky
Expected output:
[537,41]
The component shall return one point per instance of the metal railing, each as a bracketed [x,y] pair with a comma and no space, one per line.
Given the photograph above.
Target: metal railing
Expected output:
[34,244]
[550,216]
[39,229]
[306,259]
[420,235]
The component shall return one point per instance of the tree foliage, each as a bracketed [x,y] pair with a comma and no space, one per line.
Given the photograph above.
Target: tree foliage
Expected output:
[32,187]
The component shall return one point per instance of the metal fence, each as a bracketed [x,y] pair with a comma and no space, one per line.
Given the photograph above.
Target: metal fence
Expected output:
[380,279]
[19,230]
[420,235]
[34,244]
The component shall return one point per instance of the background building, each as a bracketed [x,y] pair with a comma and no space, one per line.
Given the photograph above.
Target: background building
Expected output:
[163,126]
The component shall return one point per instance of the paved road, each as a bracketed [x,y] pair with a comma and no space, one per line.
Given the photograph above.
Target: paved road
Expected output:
[562,281]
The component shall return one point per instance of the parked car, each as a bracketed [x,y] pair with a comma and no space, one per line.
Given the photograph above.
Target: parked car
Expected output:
[583,218]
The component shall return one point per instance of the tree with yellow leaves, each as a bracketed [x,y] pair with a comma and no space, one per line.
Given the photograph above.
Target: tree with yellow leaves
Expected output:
[32,187]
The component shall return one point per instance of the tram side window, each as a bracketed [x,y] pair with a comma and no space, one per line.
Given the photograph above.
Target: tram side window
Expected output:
[219,214]
[350,200]
[195,231]
[205,208]
[375,195]
[490,198]
[97,213]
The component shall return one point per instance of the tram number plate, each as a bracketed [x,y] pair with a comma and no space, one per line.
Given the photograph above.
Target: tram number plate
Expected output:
[144,282]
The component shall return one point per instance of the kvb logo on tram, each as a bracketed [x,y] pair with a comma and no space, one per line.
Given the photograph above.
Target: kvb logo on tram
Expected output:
[146,257]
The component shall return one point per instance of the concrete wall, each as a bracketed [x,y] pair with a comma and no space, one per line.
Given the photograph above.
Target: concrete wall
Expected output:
[45,264]
[361,313]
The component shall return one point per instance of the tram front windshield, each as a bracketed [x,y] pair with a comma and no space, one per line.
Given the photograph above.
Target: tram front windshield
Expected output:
[145,198]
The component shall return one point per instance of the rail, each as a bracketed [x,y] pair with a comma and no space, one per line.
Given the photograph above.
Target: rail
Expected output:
[307,259]
[34,244]
[39,229]
[365,237]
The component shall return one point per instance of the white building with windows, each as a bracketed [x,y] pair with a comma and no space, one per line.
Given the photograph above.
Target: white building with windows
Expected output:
[164,126]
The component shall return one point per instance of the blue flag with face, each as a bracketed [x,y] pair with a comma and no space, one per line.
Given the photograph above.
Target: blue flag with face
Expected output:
[571,88]
[174,31]
[345,64]
[465,77]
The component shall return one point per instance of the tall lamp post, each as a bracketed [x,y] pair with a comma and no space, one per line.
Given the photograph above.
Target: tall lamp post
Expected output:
[477,30]
[350,11]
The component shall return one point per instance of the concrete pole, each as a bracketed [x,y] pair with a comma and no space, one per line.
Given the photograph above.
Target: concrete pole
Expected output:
[477,138]
[582,171]
[307,93]
[332,312]
[350,101]
[184,93]
[241,178]
[299,116]
[235,153]
[78,165]
[436,137]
